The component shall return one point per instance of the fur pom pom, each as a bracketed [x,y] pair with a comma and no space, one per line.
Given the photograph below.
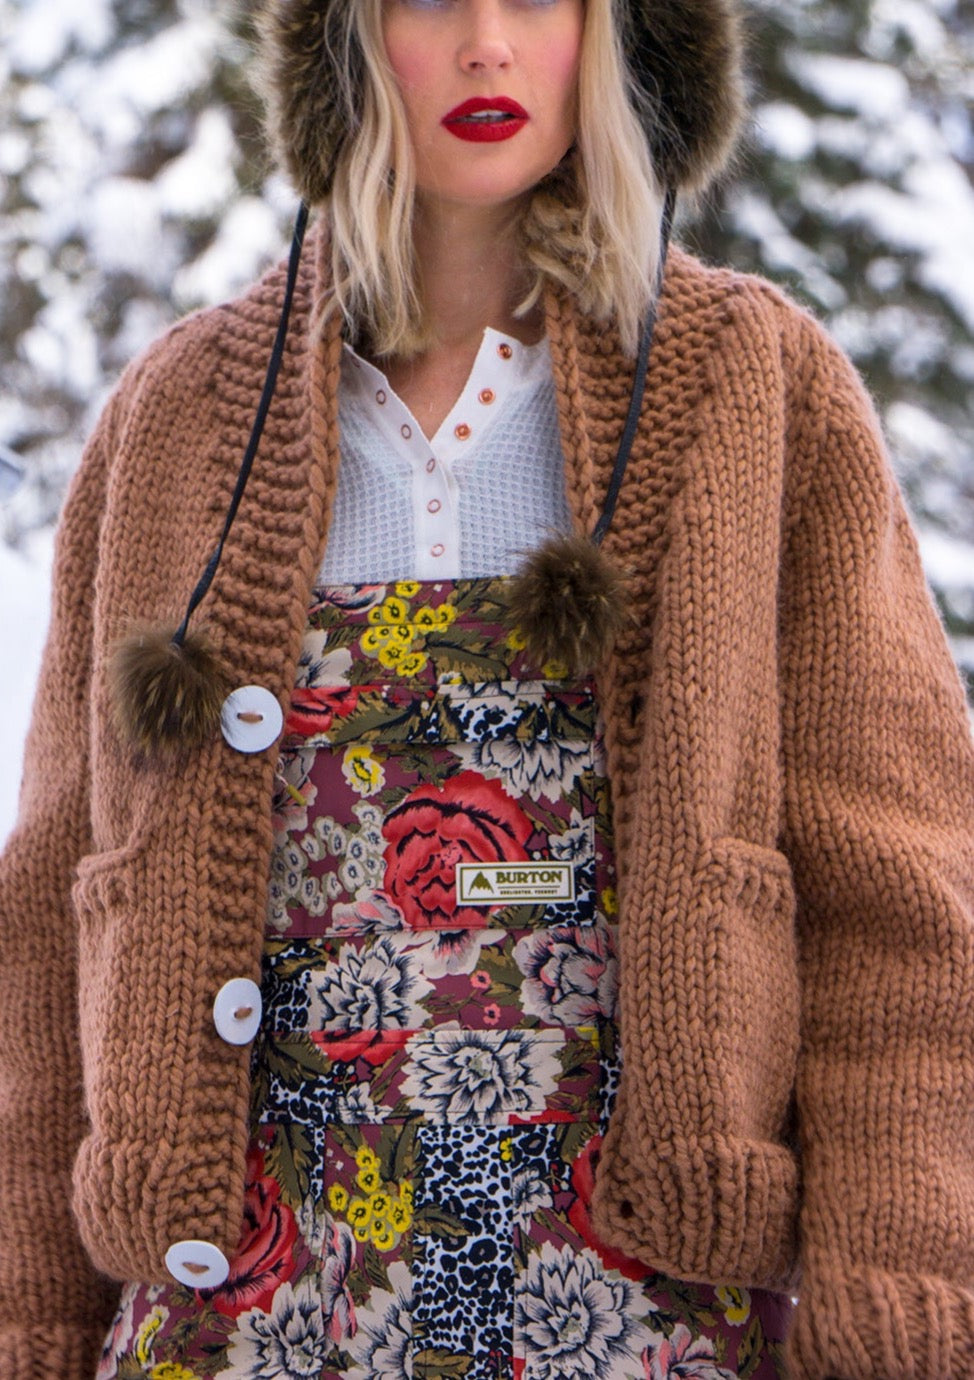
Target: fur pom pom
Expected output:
[568,602]
[166,697]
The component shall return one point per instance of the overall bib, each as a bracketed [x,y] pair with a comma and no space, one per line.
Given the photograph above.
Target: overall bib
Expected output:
[439,1052]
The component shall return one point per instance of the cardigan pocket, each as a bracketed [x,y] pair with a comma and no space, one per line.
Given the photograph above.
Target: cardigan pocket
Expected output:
[108,892]
[747,909]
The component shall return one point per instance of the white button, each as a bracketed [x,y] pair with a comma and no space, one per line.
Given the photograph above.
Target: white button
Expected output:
[197,1264]
[251,718]
[237,1011]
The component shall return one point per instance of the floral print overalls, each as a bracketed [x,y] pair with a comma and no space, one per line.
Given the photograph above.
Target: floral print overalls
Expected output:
[438,1054]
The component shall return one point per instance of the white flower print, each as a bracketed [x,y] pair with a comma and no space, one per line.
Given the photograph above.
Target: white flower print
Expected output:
[575,1319]
[316,666]
[570,973]
[357,1106]
[679,1357]
[337,1307]
[512,737]
[289,867]
[289,1343]
[479,1075]
[120,1335]
[377,988]
[445,953]
[371,912]
[530,1193]
[575,843]
[382,1343]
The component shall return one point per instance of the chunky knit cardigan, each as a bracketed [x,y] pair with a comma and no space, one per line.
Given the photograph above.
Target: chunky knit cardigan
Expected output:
[792,774]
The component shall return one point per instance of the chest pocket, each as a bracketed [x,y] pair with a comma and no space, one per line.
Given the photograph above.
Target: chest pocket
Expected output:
[452,806]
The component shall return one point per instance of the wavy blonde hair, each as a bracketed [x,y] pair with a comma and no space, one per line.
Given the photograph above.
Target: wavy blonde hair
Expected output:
[592,225]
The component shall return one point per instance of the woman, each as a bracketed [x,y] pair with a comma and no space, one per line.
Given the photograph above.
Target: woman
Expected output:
[350,867]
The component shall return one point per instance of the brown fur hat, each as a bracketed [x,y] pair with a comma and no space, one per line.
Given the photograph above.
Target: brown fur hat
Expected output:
[684,59]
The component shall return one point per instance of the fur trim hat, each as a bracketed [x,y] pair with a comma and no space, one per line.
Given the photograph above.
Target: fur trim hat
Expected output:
[684,60]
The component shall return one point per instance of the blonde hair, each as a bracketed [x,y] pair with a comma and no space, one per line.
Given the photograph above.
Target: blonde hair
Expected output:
[592,225]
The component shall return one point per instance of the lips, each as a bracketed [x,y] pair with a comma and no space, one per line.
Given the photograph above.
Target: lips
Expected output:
[486,119]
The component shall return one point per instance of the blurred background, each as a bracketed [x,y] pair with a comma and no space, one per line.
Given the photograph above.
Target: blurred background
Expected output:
[134,188]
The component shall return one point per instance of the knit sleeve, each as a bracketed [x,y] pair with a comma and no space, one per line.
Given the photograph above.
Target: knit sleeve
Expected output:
[54,1308]
[879,826]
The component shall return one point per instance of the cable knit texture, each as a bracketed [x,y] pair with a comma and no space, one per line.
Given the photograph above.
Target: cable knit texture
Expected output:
[792,774]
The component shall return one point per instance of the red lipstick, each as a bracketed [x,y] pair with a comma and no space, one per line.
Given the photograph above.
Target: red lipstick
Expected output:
[486,119]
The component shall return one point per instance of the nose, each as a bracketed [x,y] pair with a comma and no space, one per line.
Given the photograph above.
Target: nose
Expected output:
[486,44]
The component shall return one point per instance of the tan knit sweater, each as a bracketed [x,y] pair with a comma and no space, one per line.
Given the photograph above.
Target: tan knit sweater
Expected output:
[792,773]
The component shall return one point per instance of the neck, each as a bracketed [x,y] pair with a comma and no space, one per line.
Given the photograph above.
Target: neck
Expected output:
[471,273]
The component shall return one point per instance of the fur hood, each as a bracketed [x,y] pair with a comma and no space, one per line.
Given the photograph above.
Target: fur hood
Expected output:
[684,58]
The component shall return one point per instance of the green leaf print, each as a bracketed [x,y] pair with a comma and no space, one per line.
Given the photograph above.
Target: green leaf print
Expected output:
[436,1361]
[433,1221]
[288,1160]
[751,1351]
[375,1267]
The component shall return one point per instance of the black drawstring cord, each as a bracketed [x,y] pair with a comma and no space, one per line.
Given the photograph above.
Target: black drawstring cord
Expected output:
[639,378]
[270,382]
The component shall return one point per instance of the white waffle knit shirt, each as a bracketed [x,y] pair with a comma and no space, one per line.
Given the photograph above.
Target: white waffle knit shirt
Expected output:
[488,487]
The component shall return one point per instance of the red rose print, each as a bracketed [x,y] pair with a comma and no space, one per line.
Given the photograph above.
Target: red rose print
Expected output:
[583,1182]
[264,1256]
[315,708]
[374,1046]
[469,819]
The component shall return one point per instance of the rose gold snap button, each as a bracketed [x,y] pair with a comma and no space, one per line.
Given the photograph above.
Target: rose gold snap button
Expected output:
[430,465]
[434,505]
[406,430]
[380,397]
[486,395]
[461,431]
[504,351]
[437,550]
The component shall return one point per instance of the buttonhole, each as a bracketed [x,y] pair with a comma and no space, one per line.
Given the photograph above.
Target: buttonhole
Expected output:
[626,1209]
[250,716]
[242,1012]
[635,706]
[195,1269]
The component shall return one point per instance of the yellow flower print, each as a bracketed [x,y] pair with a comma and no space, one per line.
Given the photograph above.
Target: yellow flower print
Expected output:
[400,1214]
[407,589]
[393,610]
[400,636]
[554,670]
[736,1304]
[391,657]
[338,1198]
[610,901]
[411,663]
[515,640]
[366,1158]
[362,769]
[383,1235]
[406,1190]
[374,639]
[146,1334]
[171,1370]
[440,617]
[361,1232]
[359,1212]
[368,1181]
[506,1150]
[380,1204]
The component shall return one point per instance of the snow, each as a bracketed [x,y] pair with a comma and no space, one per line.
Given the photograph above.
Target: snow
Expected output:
[25,582]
